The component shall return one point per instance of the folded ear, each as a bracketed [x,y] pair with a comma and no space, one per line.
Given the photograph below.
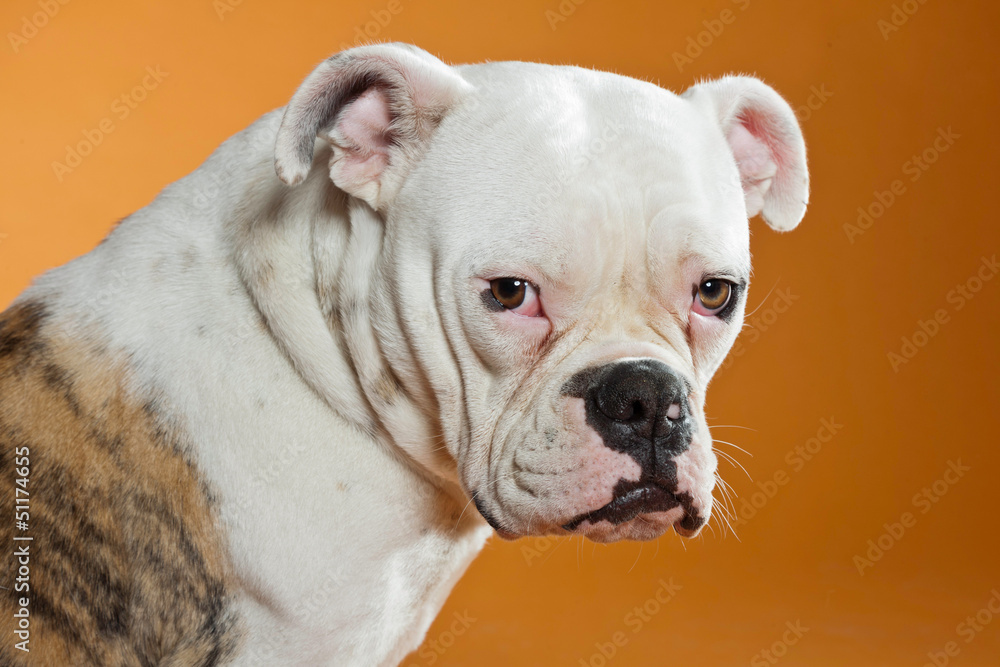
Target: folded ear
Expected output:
[377,106]
[767,144]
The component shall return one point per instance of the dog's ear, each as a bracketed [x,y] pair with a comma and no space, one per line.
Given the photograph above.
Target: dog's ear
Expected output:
[377,106]
[767,144]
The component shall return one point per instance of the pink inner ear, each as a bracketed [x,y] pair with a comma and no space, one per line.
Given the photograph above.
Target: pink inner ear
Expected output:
[362,133]
[756,162]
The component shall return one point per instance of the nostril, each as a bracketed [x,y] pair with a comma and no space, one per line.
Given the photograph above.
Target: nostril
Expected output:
[620,408]
[635,412]
[638,397]
[639,407]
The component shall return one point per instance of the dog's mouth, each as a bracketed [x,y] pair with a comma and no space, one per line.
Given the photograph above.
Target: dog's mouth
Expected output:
[632,499]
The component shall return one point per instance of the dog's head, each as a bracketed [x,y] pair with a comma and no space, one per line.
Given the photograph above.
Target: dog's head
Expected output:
[561,266]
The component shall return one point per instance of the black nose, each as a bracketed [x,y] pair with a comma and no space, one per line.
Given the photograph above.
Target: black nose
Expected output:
[639,407]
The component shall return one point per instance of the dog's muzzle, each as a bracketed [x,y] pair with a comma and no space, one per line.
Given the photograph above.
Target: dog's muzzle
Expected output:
[639,407]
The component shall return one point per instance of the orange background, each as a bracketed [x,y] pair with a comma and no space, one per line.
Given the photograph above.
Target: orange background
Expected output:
[557,602]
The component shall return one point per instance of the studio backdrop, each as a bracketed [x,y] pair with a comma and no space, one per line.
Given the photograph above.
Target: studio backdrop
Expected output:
[863,388]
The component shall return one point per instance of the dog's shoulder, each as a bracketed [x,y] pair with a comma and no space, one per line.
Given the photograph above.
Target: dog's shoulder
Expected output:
[118,556]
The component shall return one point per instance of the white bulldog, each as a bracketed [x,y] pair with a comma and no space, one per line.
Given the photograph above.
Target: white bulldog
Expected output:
[500,287]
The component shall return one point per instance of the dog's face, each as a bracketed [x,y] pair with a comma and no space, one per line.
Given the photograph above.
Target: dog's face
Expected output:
[596,259]
[564,268]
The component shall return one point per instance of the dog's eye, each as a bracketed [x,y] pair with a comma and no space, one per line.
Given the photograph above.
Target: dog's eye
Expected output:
[510,292]
[714,295]
[516,295]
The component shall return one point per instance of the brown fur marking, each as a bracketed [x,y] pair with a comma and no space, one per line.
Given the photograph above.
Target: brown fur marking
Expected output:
[128,566]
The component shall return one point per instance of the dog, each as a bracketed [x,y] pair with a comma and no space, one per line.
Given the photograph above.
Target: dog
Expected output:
[275,414]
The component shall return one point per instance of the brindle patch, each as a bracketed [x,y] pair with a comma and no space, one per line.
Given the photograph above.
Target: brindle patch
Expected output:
[387,387]
[128,565]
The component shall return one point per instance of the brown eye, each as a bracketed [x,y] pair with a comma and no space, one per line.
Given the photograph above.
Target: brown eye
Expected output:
[714,294]
[509,292]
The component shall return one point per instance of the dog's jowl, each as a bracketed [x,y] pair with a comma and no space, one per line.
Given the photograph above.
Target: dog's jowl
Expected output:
[273,417]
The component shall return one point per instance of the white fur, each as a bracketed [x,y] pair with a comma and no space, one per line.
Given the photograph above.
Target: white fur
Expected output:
[343,385]
[767,144]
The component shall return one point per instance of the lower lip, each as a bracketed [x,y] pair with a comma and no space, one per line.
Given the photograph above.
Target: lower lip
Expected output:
[641,500]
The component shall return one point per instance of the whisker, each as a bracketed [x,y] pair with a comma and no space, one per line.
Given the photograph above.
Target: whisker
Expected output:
[731,529]
[761,304]
[722,527]
[724,442]
[745,428]
[732,461]
[463,513]
[636,559]
[723,486]
[559,543]
[726,503]
[727,485]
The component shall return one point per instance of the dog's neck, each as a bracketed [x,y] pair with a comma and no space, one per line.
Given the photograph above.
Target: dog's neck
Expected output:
[309,257]
[196,290]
